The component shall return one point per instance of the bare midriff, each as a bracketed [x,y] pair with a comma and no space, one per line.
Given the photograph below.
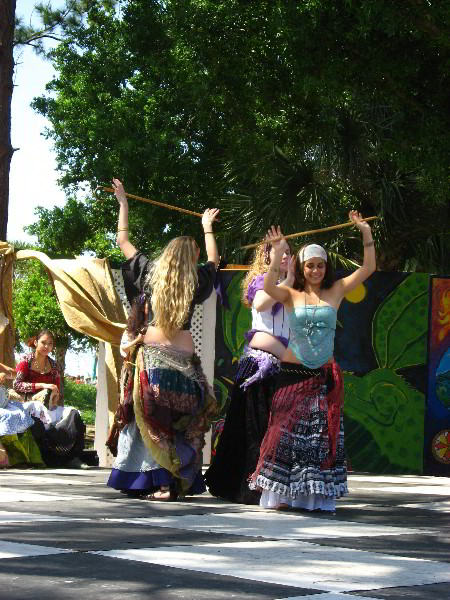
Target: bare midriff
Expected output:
[182,339]
[290,357]
[267,342]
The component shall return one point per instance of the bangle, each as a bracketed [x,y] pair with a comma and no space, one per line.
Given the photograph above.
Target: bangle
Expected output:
[122,229]
[368,244]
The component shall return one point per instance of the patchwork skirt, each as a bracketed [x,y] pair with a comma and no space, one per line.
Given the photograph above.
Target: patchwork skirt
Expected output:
[173,408]
[302,460]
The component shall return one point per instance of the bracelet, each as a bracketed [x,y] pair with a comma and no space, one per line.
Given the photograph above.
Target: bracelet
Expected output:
[276,271]
[368,244]
[205,232]
[122,229]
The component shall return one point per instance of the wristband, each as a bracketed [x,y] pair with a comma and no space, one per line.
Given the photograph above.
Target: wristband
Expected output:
[368,244]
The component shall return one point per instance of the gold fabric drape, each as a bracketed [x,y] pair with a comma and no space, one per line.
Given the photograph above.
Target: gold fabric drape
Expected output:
[89,302]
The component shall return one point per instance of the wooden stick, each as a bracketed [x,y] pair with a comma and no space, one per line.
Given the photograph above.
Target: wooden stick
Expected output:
[236,268]
[171,207]
[301,233]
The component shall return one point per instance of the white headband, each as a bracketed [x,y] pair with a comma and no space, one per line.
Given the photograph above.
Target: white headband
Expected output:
[313,251]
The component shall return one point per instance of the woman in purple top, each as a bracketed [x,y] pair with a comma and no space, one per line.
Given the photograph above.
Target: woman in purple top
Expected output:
[248,413]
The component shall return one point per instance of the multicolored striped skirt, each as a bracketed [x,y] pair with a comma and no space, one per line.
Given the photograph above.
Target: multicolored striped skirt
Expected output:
[302,459]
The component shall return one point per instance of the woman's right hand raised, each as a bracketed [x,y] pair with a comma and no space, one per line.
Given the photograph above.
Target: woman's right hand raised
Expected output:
[209,216]
[275,238]
[119,191]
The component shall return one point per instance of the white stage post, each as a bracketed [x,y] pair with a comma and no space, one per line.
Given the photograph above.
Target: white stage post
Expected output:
[101,412]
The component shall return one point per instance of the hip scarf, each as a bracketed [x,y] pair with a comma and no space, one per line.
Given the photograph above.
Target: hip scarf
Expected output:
[297,392]
[174,407]
[266,365]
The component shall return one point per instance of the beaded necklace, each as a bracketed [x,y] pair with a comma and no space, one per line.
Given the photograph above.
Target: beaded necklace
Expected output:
[310,325]
[38,369]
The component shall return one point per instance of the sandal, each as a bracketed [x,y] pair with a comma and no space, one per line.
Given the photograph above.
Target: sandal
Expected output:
[163,495]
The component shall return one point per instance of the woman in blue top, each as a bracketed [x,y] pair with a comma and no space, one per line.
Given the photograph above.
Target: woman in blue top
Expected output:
[302,459]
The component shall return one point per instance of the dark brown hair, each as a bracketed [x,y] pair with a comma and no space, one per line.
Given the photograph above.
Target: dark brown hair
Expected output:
[137,319]
[299,272]
[37,337]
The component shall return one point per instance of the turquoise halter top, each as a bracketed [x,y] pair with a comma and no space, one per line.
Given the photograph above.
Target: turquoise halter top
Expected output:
[312,333]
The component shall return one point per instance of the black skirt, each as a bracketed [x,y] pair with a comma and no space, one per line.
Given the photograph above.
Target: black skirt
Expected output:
[62,441]
[245,425]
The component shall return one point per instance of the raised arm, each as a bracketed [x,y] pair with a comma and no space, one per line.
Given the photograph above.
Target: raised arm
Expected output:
[209,216]
[262,300]
[122,227]
[347,284]
[279,292]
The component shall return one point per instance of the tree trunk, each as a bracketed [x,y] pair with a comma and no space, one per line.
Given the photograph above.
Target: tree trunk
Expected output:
[7,15]
[60,355]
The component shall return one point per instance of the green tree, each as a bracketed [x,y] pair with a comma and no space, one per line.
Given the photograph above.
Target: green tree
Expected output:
[288,111]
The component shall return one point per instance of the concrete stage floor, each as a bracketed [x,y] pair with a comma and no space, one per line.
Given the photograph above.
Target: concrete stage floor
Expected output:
[65,536]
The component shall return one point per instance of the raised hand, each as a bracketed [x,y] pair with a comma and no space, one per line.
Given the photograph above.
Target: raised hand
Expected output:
[209,216]
[291,267]
[119,191]
[358,221]
[272,234]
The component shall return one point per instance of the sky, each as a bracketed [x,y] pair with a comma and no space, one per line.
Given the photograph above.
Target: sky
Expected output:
[33,176]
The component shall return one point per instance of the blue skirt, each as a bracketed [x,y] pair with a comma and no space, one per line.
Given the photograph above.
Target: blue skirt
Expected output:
[135,470]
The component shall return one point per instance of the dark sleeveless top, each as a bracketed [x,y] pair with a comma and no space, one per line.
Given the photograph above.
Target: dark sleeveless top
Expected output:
[135,271]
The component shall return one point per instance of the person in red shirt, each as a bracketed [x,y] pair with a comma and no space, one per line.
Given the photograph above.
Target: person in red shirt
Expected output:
[60,430]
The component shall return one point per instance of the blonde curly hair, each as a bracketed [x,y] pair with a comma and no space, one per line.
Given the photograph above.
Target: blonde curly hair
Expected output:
[173,280]
[259,266]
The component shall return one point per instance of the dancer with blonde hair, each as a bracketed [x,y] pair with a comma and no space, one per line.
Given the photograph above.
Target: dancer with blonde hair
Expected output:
[172,402]
[248,413]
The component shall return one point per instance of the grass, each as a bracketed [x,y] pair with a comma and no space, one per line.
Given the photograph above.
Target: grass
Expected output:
[82,397]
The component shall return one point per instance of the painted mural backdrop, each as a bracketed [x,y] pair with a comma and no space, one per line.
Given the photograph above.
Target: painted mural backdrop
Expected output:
[437,430]
[381,345]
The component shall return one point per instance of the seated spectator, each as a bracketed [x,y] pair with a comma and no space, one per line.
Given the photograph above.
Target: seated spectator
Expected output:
[17,444]
[60,429]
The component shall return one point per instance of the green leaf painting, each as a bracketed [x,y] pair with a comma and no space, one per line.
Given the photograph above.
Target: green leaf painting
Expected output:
[221,392]
[400,324]
[237,320]
[393,414]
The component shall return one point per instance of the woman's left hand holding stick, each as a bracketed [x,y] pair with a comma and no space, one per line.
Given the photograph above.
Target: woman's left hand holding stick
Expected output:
[208,218]
[122,227]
